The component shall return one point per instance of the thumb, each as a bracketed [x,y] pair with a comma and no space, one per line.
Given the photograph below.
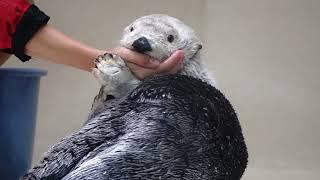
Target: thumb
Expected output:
[173,64]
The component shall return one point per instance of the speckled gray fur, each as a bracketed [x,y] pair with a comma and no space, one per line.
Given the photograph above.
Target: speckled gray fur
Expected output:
[167,127]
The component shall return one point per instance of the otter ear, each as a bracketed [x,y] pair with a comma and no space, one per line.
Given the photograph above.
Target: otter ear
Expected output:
[199,46]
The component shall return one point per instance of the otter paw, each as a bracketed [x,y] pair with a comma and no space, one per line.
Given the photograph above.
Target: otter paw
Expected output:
[110,69]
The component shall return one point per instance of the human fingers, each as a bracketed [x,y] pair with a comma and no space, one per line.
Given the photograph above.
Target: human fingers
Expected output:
[170,66]
[136,58]
[173,64]
[141,72]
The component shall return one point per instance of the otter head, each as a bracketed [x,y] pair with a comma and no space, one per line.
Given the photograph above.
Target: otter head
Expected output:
[159,36]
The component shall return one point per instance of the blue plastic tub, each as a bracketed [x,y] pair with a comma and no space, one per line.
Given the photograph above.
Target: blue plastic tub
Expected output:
[19,89]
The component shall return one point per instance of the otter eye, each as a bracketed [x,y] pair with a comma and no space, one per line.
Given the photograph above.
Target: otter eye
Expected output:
[170,38]
[131,28]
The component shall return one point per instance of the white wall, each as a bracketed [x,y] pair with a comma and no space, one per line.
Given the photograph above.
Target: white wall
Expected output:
[266,57]
[264,53]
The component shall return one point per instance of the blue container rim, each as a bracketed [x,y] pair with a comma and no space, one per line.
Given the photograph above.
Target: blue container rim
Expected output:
[22,72]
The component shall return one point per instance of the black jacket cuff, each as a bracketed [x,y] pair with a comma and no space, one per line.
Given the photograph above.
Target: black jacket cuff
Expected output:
[32,20]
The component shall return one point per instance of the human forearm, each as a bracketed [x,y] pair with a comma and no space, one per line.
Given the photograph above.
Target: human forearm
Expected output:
[52,45]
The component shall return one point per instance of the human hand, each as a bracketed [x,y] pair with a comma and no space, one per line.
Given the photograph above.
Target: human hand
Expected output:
[143,66]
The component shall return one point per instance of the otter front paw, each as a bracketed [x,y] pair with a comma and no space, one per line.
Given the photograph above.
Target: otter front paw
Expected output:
[108,68]
[113,74]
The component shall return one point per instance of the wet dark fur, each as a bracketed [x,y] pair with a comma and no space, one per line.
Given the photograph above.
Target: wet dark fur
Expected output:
[169,127]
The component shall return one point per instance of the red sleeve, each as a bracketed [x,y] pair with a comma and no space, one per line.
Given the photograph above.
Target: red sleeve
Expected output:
[19,22]
[10,14]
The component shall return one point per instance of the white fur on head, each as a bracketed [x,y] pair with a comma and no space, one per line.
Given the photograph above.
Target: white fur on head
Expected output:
[156,28]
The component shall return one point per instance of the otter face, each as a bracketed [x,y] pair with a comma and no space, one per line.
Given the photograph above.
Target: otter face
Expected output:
[159,36]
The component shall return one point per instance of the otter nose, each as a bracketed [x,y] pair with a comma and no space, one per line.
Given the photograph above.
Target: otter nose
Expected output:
[142,45]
